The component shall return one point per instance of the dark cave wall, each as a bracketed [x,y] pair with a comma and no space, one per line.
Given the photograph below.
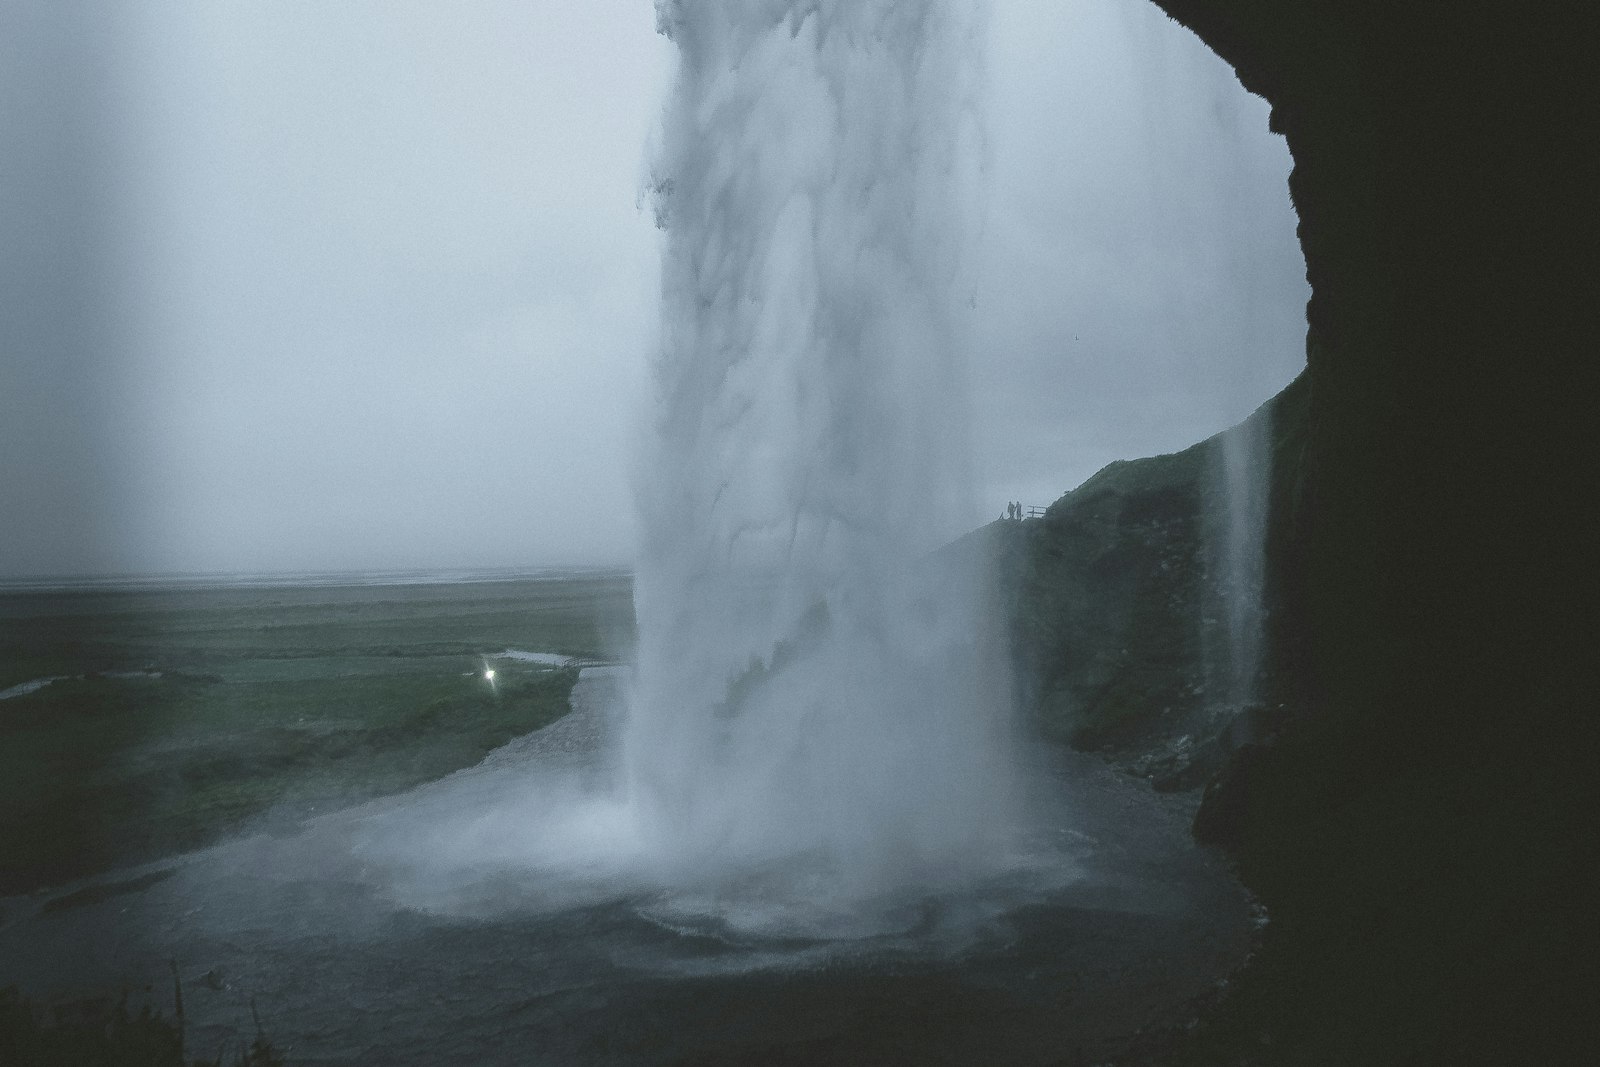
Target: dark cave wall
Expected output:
[1436,187]
[1421,826]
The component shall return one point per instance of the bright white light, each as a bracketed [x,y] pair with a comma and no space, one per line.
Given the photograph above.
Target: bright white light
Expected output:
[489,675]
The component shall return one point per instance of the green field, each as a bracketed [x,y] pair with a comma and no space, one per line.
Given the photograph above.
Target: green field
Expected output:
[178,715]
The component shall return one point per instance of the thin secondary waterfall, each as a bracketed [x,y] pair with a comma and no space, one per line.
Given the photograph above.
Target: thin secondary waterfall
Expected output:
[814,692]
[1246,465]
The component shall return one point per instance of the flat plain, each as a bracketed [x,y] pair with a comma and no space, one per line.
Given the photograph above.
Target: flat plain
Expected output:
[144,721]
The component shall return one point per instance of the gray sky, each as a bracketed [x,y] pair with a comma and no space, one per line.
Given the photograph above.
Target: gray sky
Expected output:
[291,285]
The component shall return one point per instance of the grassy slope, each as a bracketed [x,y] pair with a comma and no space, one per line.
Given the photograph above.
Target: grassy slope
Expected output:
[1117,610]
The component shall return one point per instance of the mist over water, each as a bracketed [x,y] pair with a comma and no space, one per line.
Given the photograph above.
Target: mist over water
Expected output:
[818,703]
[814,741]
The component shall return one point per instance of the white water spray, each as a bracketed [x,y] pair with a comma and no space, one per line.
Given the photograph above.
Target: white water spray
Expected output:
[816,742]
[815,700]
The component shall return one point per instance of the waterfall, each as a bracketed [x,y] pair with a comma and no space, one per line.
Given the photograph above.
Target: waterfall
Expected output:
[817,691]
[1245,461]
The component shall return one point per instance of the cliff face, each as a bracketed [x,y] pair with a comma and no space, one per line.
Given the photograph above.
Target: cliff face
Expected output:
[1122,596]
[1421,826]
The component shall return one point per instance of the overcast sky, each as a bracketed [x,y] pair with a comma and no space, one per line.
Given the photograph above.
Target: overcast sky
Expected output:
[298,285]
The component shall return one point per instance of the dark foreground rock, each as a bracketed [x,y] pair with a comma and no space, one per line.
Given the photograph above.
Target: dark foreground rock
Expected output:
[1421,828]
[1415,803]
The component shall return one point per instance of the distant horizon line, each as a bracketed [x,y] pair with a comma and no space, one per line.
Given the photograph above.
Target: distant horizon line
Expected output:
[130,580]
